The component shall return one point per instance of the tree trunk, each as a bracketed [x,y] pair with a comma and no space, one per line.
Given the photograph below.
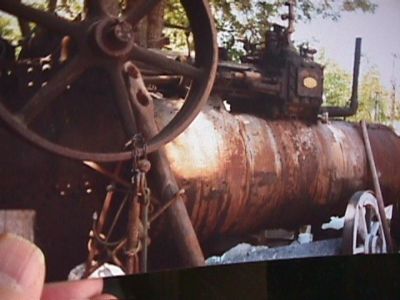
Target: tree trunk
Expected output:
[149,30]
[24,27]
[52,6]
[155,26]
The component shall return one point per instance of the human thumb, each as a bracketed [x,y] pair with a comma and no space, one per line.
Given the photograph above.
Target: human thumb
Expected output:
[21,269]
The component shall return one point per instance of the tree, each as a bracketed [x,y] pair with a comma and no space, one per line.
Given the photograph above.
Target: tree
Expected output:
[373,98]
[238,22]
[9,29]
[247,21]
[337,82]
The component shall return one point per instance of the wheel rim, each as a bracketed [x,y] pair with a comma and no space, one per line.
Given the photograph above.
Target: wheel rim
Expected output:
[363,229]
[111,58]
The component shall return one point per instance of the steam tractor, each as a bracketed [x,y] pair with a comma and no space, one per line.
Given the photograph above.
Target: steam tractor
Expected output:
[146,159]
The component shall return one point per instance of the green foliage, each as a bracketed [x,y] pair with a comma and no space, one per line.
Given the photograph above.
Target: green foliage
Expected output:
[40,4]
[332,9]
[9,29]
[239,22]
[69,9]
[337,83]
[374,98]
[242,22]
[175,16]
[246,21]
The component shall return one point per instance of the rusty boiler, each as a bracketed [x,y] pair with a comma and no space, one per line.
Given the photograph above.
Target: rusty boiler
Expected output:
[269,162]
[242,173]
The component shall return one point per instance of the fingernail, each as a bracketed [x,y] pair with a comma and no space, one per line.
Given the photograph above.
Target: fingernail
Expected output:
[21,263]
[105,297]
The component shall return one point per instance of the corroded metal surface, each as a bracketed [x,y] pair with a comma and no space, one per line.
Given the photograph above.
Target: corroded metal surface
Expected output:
[242,173]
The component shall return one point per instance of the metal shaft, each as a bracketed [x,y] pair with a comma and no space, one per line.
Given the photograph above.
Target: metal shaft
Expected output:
[167,186]
[181,224]
[184,233]
[377,187]
[133,235]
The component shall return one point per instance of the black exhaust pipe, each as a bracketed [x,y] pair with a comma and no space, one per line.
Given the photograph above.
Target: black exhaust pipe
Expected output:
[335,111]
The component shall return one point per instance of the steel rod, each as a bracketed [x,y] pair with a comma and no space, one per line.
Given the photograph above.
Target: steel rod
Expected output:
[143,256]
[133,241]
[151,57]
[164,207]
[122,99]
[377,187]
[96,167]
[181,225]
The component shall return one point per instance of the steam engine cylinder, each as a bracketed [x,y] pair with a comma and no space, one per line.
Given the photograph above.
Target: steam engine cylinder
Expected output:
[242,173]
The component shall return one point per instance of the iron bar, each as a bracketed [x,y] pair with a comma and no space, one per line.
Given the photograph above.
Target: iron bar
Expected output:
[122,99]
[113,176]
[164,207]
[164,179]
[144,217]
[158,60]
[184,233]
[377,187]
[334,111]
[133,241]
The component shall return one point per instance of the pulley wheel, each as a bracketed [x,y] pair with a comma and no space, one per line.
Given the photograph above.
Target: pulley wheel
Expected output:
[103,40]
[363,229]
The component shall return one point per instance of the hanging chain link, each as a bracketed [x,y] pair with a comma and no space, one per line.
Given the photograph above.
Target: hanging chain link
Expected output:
[134,246]
[137,238]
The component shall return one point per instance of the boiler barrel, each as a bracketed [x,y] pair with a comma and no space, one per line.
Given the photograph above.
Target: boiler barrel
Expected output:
[242,173]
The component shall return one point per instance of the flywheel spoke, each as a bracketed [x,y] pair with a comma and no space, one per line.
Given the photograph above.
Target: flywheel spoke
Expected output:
[140,10]
[53,88]
[375,228]
[45,19]
[362,225]
[152,58]
[362,232]
[122,99]
[96,8]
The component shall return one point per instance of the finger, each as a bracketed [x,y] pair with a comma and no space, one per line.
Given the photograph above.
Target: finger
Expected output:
[104,297]
[21,269]
[80,289]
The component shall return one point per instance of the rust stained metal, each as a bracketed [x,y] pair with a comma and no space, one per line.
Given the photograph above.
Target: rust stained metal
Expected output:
[377,187]
[185,235]
[242,173]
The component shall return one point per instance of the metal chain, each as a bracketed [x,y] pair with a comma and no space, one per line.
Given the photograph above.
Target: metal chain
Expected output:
[137,240]
[134,246]
[144,200]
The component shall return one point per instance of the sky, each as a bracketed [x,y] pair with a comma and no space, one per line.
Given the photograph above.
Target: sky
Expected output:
[380,33]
